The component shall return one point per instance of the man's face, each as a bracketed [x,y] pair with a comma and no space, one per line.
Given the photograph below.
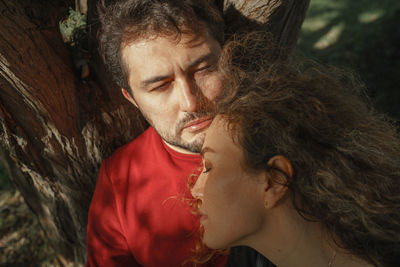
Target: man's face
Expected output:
[173,84]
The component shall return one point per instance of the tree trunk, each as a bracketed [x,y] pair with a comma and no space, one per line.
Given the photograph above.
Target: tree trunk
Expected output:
[57,129]
[282,18]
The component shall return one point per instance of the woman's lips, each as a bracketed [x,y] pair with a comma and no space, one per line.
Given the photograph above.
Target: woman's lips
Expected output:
[203,217]
[199,124]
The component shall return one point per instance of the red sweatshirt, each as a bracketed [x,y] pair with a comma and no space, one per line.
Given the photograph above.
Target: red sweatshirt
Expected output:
[137,217]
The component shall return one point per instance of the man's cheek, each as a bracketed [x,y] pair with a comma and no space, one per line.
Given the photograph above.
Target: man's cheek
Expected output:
[213,86]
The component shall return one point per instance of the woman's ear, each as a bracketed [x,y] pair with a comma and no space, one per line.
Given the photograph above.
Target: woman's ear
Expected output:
[128,96]
[280,169]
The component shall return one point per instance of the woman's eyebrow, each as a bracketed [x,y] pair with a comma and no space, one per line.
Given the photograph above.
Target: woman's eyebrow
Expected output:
[206,149]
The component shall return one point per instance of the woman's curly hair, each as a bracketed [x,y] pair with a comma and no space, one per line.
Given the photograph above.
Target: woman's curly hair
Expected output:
[345,155]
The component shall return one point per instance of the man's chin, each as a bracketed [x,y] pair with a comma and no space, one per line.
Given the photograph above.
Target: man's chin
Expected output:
[190,142]
[194,143]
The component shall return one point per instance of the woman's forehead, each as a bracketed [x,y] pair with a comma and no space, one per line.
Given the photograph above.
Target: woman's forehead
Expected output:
[219,139]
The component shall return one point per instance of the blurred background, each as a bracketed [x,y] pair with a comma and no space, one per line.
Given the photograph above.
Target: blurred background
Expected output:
[362,35]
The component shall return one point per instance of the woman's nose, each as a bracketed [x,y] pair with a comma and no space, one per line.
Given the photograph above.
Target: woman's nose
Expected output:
[197,189]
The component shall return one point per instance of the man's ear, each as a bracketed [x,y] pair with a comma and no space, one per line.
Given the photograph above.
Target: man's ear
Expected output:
[128,97]
[277,180]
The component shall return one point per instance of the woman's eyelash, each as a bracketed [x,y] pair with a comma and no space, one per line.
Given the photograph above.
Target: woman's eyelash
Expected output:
[206,170]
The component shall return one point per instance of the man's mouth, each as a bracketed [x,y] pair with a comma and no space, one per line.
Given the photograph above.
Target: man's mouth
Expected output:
[198,124]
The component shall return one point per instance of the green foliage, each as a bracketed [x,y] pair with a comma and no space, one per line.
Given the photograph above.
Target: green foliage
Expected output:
[73,28]
[361,35]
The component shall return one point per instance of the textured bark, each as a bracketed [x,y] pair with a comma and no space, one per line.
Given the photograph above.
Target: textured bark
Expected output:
[81,6]
[282,18]
[57,129]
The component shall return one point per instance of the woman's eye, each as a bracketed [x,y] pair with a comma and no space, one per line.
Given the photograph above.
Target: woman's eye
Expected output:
[206,170]
[206,166]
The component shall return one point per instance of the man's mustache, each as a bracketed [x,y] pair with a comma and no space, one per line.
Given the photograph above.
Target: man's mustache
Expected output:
[205,109]
[190,116]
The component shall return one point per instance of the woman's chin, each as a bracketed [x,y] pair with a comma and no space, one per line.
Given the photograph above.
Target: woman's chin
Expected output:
[211,241]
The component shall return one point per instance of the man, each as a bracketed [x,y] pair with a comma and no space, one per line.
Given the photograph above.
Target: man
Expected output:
[163,55]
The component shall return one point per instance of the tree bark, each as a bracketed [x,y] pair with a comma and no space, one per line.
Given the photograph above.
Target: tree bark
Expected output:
[57,129]
[281,18]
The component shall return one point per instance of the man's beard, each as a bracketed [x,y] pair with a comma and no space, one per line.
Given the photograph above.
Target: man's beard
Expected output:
[206,108]
[175,137]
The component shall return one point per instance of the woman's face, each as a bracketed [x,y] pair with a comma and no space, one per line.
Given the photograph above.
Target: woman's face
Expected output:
[231,206]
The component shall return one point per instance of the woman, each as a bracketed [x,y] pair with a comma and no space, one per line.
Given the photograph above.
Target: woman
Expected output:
[298,166]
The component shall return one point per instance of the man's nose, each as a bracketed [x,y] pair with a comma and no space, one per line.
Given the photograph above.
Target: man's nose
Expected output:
[188,95]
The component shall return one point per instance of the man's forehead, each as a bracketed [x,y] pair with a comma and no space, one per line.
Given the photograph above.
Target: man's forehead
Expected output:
[165,50]
[187,40]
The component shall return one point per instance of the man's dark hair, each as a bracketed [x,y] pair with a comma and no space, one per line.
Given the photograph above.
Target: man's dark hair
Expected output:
[124,21]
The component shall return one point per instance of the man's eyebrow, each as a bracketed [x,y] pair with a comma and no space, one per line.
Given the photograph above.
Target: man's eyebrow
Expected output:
[206,149]
[153,80]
